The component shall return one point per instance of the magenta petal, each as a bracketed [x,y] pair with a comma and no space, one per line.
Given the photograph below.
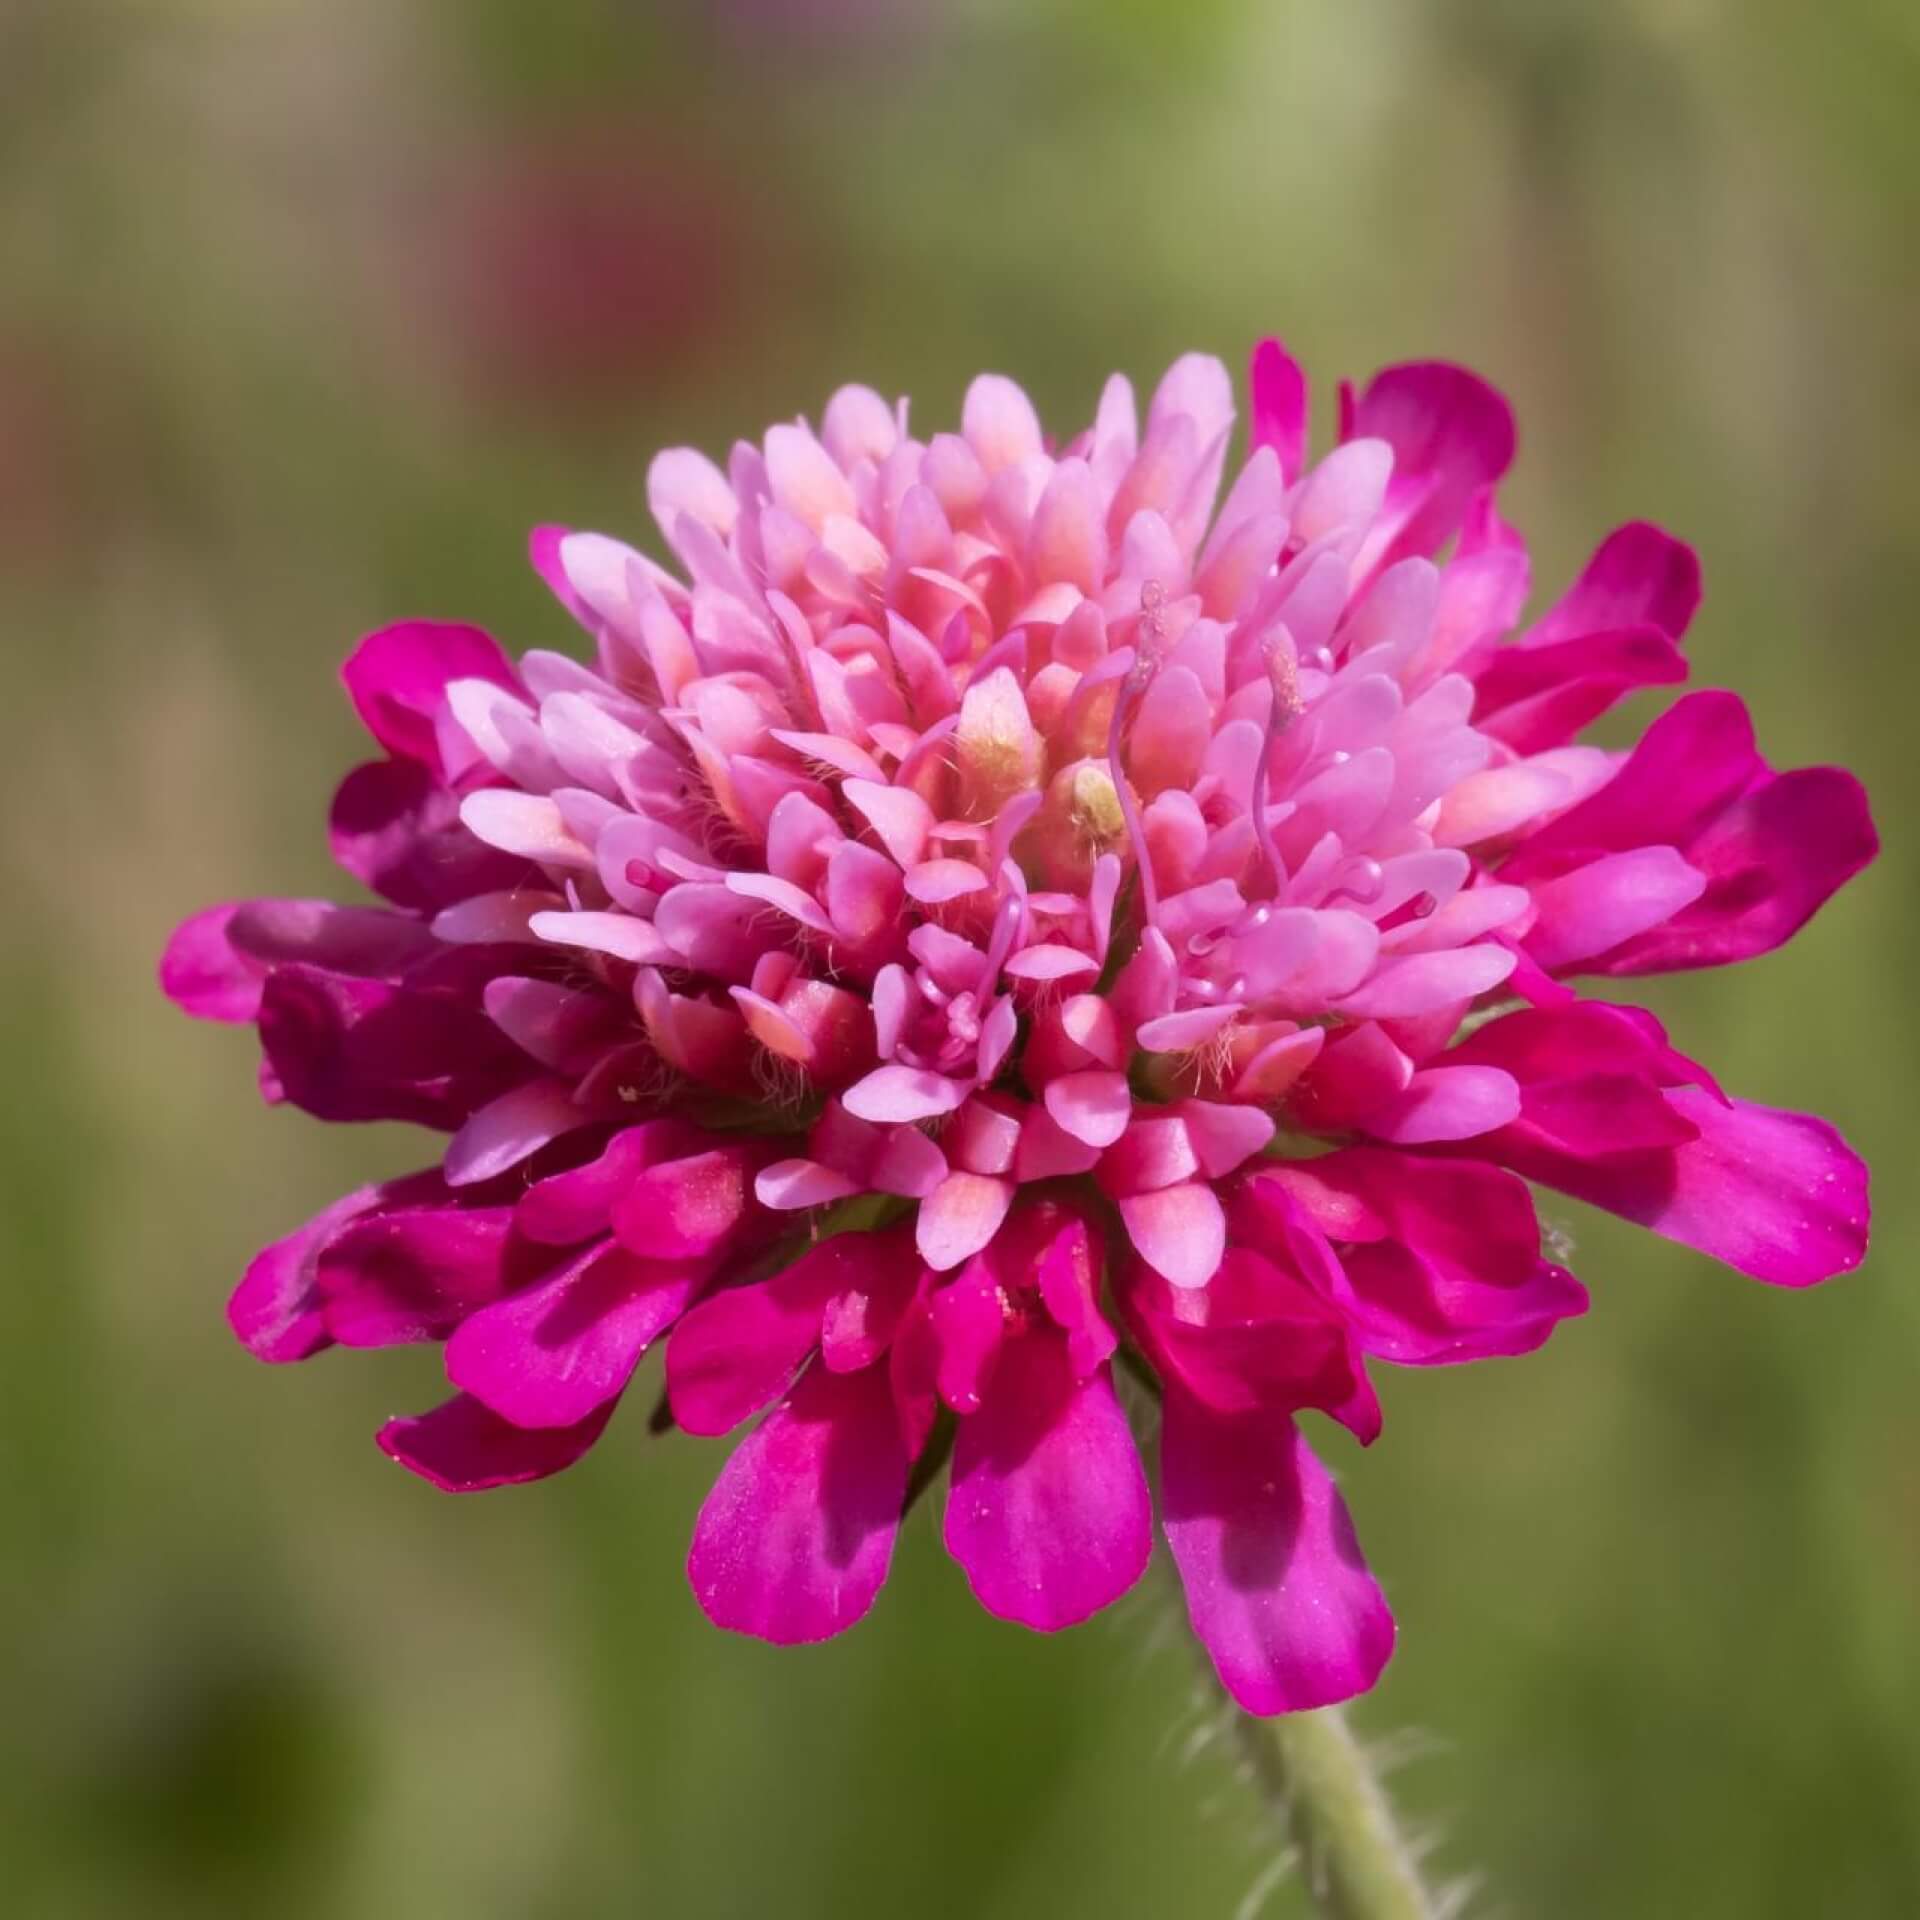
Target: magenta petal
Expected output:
[738,1349]
[370,943]
[1638,574]
[395,826]
[203,975]
[548,1355]
[686,1209]
[1048,1512]
[275,1311]
[462,1448]
[1439,1260]
[967,1324]
[1771,861]
[1536,697]
[1690,765]
[796,1537]
[397,679]
[1277,1590]
[577,1205]
[1279,393]
[1451,436]
[1447,1103]
[1778,1196]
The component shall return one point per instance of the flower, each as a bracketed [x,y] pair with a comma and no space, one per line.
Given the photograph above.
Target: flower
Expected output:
[999,915]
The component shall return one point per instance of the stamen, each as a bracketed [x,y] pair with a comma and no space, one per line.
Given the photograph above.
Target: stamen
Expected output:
[1284,678]
[1363,890]
[1146,663]
[1283,675]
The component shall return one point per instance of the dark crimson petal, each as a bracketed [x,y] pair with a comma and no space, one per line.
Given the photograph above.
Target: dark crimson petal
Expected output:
[395,826]
[275,1311]
[1772,860]
[1277,1589]
[397,680]
[462,1448]
[202,974]
[347,1049]
[1048,1510]
[795,1540]
[368,942]
[414,1273]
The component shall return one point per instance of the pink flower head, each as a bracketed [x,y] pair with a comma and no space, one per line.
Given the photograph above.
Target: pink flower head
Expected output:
[999,908]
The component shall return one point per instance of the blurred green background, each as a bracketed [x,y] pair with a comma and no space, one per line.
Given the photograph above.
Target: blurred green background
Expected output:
[308,309]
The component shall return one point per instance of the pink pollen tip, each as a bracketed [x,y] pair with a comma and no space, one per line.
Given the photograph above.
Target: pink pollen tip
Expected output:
[1284,677]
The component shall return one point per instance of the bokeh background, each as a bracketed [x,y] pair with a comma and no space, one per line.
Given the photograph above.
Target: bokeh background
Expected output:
[308,310]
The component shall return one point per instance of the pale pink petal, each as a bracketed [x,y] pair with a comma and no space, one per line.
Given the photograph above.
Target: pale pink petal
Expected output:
[959,1217]
[1609,900]
[618,934]
[999,423]
[789,1185]
[683,480]
[1094,1106]
[806,480]
[526,824]
[902,1093]
[511,1129]
[898,816]
[1224,1135]
[1447,1103]
[1400,989]
[909,1165]
[1049,961]
[1179,1231]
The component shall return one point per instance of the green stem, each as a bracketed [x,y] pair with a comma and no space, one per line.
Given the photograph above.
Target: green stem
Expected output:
[1315,1779]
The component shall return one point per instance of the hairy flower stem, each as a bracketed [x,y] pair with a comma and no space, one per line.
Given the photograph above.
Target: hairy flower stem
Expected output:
[1316,1780]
